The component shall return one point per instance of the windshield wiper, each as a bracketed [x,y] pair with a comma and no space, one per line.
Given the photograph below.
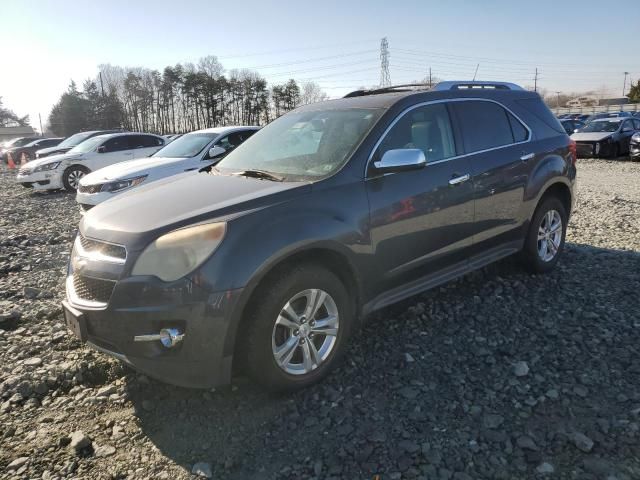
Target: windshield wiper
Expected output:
[262,174]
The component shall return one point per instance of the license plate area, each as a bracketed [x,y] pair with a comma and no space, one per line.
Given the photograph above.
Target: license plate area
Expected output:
[75,321]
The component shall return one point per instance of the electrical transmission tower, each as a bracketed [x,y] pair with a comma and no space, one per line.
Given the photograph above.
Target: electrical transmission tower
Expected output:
[385,78]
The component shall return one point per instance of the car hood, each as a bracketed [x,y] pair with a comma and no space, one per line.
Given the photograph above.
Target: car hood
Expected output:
[54,158]
[590,136]
[134,217]
[53,150]
[129,169]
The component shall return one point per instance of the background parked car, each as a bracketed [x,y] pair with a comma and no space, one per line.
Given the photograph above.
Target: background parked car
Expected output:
[16,142]
[70,142]
[570,126]
[190,152]
[66,170]
[27,152]
[634,147]
[606,137]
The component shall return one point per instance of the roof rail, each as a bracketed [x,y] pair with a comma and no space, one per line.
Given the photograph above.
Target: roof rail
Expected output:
[463,85]
[392,88]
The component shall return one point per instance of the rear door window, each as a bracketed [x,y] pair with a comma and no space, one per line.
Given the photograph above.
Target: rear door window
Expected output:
[484,125]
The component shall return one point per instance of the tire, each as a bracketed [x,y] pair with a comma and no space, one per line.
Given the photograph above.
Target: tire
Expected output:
[538,255]
[72,176]
[268,330]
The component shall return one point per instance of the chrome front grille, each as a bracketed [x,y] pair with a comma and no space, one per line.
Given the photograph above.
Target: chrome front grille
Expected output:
[92,290]
[90,188]
[100,250]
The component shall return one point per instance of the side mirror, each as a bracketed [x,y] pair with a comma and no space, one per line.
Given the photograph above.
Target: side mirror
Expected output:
[400,160]
[101,149]
[216,151]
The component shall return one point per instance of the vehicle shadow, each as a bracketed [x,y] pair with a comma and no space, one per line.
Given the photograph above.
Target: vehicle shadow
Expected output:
[247,433]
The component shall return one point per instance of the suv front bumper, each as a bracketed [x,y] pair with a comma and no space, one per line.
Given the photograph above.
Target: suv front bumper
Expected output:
[144,306]
[49,180]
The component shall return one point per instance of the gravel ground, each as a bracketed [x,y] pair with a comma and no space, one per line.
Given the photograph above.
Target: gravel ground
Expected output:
[499,375]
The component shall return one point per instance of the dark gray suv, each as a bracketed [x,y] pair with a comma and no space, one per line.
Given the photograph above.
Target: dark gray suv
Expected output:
[334,210]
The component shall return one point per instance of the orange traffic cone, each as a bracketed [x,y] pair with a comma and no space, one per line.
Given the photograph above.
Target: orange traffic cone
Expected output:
[10,161]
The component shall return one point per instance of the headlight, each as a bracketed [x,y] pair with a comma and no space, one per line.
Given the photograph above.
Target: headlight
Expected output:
[122,184]
[180,252]
[46,167]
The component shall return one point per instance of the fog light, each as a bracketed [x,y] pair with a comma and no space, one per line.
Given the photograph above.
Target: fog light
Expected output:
[597,148]
[169,337]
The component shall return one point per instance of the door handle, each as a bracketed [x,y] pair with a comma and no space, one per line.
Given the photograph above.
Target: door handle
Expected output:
[527,157]
[459,180]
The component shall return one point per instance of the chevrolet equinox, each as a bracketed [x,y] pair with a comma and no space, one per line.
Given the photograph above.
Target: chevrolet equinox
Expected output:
[337,209]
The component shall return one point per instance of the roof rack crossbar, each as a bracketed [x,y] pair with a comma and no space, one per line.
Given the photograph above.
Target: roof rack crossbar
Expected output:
[472,84]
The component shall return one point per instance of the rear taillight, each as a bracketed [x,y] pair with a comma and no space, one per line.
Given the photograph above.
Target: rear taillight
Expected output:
[573,151]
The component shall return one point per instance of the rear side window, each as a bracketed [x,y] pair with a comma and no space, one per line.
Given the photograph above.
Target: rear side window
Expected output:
[484,125]
[427,128]
[537,107]
[636,124]
[149,141]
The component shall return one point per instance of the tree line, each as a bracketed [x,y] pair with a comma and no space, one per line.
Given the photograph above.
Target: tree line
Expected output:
[179,99]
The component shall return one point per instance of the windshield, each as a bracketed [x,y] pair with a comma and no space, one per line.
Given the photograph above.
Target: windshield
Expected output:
[18,142]
[88,145]
[74,140]
[601,127]
[188,145]
[303,145]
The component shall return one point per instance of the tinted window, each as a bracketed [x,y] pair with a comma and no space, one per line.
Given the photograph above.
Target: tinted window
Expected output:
[484,125]
[520,133]
[49,143]
[117,144]
[427,128]
[537,107]
[628,124]
[636,124]
[150,141]
[231,141]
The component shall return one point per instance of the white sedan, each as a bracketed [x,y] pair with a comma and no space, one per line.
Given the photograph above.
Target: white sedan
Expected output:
[66,170]
[190,152]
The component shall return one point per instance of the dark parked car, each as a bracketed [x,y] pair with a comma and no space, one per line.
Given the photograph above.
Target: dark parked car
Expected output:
[16,142]
[268,259]
[70,142]
[598,116]
[634,147]
[606,137]
[570,126]
[27,152]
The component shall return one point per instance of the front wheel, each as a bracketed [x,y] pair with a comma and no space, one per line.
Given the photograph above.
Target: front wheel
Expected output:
[71,177]
[297,328]
[545,239]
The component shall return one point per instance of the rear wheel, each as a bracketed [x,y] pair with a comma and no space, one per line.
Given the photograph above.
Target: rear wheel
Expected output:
[297,329]
[71,177]
[545,239]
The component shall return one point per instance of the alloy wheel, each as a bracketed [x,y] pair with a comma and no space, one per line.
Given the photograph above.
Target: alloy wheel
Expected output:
[549,235]
[74,178]
[305,332]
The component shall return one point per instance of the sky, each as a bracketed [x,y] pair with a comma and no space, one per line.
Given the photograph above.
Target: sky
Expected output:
[46,44]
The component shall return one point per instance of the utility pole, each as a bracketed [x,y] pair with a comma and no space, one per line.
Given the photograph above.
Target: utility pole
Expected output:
[101,84]
[535,81]
[429,77]
[624,85]
[41,131]
[558,101]
[385,78]
[476,72]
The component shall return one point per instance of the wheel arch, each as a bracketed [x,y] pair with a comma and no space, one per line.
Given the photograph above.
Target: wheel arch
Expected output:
[325,255]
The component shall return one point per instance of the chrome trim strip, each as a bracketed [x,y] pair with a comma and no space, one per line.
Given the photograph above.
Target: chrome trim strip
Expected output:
[97,256]
[433,102]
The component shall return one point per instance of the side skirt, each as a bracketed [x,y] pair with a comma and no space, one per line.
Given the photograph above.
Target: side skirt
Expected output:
[432,280]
